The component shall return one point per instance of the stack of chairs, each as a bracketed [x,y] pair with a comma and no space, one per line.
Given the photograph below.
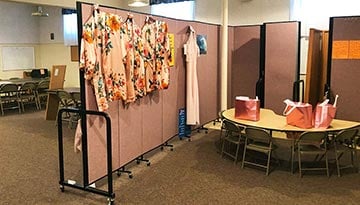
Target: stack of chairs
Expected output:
[27,95]
[41,92]
[9,97]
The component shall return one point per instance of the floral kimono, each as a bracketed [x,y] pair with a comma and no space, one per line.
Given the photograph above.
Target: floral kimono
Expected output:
[133,61]
[149,39]
[162,53]
[100,50]
[156,53]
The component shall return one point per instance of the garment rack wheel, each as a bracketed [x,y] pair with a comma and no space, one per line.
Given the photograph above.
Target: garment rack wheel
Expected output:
[202,128]
[111,200]
[148,163]
[167,145]
[122,170]
[62,188]
[138,160]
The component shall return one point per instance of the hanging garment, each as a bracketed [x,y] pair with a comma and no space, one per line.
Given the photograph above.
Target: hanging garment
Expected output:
[162,53]
[114,70]
[128,60]
[100,57]
[139,69]
[156,54]
[192,51]
[133,60]
[148,36]
[90,58]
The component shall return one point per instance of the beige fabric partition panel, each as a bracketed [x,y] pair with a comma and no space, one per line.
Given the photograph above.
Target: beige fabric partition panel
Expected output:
[152,120]
[245,62]
[281,63]
[344,65]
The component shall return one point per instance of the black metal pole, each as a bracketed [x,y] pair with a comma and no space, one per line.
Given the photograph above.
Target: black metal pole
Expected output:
[61,149]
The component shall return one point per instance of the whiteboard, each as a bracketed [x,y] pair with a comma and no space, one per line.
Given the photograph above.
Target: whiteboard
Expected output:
[18,58]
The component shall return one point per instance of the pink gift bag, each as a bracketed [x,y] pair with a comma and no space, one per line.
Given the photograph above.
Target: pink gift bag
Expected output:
[298,114]
[247,109]
[324,114]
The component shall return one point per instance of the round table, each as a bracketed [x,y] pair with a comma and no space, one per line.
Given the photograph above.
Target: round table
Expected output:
[274,122]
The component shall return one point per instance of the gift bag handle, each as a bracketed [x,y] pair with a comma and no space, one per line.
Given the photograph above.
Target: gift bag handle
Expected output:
[288,103]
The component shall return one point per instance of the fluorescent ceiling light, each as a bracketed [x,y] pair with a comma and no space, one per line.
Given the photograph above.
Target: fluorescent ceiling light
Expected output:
[138,3]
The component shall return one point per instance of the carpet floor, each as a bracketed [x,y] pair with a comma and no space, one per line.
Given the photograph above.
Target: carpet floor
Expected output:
[194,173]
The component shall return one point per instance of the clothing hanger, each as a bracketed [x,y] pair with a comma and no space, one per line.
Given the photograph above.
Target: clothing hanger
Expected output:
[129,18]
[191,29]
[149,19]
[95,9]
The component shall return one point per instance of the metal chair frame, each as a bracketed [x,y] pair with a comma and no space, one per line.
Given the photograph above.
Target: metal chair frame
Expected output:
[9,96]
[27,94]
[344,142]
[41,91]
[312,143]
[259,140]
[232,137]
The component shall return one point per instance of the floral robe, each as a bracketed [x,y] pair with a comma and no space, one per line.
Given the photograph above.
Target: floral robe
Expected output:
[134,65]
[100,50]
[156,55]
[149,38]
[162,53]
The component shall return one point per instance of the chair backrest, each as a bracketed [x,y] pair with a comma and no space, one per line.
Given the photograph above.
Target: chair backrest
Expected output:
[44,84]
[318,137]
[8,92]
[346,136]
[77,98]
[28,86]
[65,98]
[231,127]
[6,88]
[258,134]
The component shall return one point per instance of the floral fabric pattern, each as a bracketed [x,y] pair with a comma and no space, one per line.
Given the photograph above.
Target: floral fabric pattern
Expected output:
[156,54]
[121,60]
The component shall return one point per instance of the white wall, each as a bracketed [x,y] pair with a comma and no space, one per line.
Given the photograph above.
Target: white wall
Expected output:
[16,24]
[16,17]
[243,12]
[71,3]
[19,28]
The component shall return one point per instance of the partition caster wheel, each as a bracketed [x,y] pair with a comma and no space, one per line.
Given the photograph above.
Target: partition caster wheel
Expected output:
[206,132]
[62,188]
[118,173]
[111,201]
[171,149]
[137,161]
[130,176]
[161,148]
[189,140]
[148,164]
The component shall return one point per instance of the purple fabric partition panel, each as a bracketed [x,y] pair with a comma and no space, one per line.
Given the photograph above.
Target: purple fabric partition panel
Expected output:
[130,132]
[281,63]
[153,119]
[345,63]
[152,116]
[177,74]
[96,128]
[207,69]
[245,62]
